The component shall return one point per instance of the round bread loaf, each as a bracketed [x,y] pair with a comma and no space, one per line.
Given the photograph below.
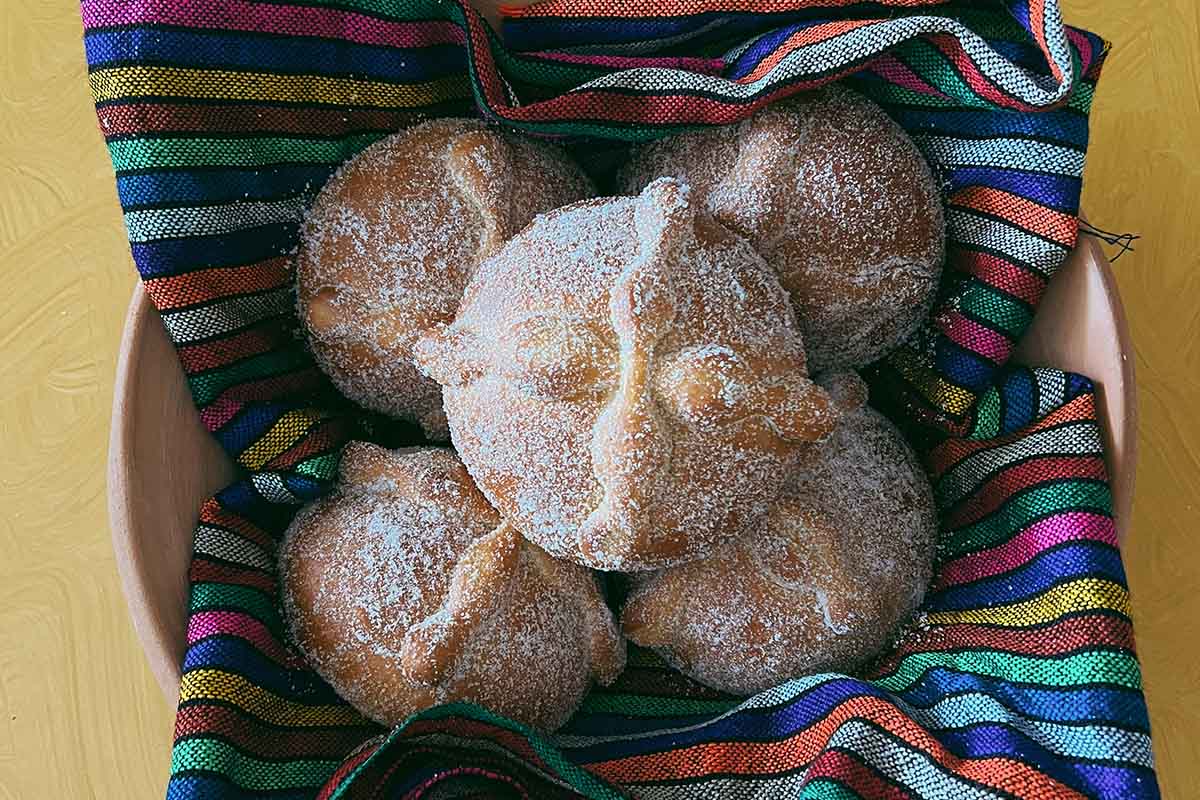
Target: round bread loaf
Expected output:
[837,199]
[842,559]
[392,239]
[626,383]
[405,590]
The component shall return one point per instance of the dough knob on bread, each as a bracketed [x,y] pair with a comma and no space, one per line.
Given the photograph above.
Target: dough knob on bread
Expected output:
[821,583]
[392,239]
[585,388]
[839,202]
[405,589]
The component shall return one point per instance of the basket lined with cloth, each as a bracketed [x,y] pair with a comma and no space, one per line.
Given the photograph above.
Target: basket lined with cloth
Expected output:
[1018,678]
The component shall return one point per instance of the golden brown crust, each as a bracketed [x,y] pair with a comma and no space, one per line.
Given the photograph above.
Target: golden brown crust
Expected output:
[843,557]
[838,200]
[625,382]
[406,590]
[394,236]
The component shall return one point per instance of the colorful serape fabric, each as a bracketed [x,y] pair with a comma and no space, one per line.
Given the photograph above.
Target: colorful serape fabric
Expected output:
[1017,680]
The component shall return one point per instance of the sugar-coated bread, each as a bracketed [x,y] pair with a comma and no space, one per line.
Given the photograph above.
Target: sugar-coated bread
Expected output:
[841,560]
[838,200]
[392,239]
[406,590]
[626,382]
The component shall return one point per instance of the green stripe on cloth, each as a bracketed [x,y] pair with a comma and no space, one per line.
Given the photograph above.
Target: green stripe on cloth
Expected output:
[206,596]
[1019,512]
[1079,669]
[248,772]
[322,468]
[208,386]
[172,153]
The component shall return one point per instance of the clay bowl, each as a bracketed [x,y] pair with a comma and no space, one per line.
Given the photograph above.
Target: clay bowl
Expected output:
[163,464]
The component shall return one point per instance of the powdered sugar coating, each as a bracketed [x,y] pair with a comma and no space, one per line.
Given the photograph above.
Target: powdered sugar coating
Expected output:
[394,236]
[842,559]
[625,382]
[405,590]
[838,200]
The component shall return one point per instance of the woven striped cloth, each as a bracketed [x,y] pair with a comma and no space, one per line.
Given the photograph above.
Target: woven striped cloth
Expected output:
[1018,678]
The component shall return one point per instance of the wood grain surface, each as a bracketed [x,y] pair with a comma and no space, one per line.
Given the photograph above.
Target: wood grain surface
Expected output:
[80,714]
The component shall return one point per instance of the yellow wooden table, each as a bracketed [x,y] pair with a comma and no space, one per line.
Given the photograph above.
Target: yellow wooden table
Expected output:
[80,715]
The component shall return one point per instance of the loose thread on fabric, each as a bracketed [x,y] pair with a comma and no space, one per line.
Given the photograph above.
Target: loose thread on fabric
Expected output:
[1123,241]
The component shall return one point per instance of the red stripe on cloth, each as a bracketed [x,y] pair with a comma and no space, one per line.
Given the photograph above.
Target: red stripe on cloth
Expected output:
[998,272]
[269,389]
[1016,210]
[1064,636]
[952,49]
[214,513]
[345,769]
[847,770]
[218,412]
[292,20]
[803,38]
[1000,489]
[203,570]
[212,284]
[465,728]
[210,355]
[325,436]
[1037,26]
[1087,56]
[142,118]
[943,457]
[252,736]
[893,70]
[1041,535]
[757,758]
[652,8]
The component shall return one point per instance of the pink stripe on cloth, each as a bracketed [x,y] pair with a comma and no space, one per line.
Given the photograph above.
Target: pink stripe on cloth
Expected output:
[969,71]
[271,18]
[970,334]
[220,411]
[1042,535]
[1083,45]
[203,624]
[896,71]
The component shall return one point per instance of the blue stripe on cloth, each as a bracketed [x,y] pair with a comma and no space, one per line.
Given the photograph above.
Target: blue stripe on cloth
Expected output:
[1059,192]
[1059,127]
[765,46]
[782,721]
[1050,567]
[220,186]
[165,257]
[215,785]
[1090,704]
[1077,385]
[276,54]
[250,424]
[1019,408]
[962,366]
[237,655]
[304,488]
[1094,780]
